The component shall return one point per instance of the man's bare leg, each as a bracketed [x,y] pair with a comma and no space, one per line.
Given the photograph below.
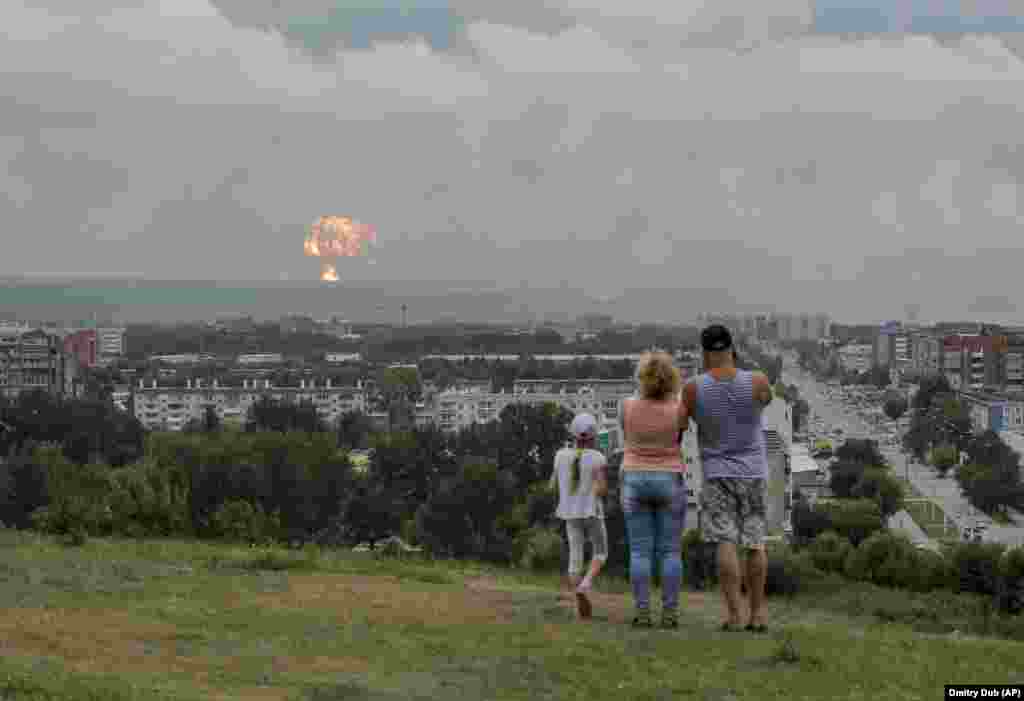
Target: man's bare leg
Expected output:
[757,572]
[729,580]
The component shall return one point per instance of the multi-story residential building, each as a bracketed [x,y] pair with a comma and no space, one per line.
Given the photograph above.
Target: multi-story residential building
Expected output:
[83,346]
[34,360]
[856,357]
[996,412]
[111,342]
[777,424]
[926,352]
[975,361]
[458,409]
[343,357]
[170,408]
[802,327]
[180,358]
[892,346]
[1013,363]
[260,359]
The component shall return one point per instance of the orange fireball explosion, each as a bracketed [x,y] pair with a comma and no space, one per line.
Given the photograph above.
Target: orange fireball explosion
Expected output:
[337,237]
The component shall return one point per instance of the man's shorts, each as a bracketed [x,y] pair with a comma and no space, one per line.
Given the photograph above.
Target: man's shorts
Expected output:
[733,511]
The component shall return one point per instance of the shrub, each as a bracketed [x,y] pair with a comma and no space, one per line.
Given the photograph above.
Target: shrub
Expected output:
[540,549]
[976,567]
[855,519]
[828,552]
[880,486]
[78,498]
[943,459]
[789,573]
[933,571]
[809,521]
[239,521]
[884,558]
[146,501]
[1011,574]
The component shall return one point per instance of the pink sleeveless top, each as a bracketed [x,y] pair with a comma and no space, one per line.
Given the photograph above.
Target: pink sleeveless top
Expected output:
[651,431]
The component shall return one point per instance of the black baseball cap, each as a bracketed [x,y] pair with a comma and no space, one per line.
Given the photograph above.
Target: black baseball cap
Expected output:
[715,338]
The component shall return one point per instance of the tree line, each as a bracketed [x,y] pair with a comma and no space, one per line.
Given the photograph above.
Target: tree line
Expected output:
[479,493]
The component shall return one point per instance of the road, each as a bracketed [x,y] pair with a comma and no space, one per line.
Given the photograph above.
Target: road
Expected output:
[943,491]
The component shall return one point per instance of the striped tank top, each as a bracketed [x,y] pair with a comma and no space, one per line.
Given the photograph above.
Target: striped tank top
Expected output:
[729,428]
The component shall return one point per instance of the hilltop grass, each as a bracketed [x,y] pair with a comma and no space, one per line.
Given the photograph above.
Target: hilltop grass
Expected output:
[124,620]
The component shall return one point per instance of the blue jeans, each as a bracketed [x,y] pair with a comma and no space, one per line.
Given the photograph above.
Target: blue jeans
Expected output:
[654,504]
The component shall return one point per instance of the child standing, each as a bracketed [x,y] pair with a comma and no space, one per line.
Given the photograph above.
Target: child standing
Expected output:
[581,477]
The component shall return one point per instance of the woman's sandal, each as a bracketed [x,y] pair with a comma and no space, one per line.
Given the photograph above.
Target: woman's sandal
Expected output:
[730,628]
[758,628]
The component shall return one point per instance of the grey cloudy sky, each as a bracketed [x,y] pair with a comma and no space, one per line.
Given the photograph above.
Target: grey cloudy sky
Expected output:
[598,144]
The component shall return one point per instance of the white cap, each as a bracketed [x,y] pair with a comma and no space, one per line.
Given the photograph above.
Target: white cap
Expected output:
[583,425]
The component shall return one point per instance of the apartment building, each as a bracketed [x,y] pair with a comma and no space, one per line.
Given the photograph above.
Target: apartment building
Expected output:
[802,327]
[777,425]
[111,342]
[996,412]
[83,346]
[456,409]
[892,346]
[972,362]
[856,357]
[1013,363]
[170,408]
[926,352]
[260,359]
[34,359]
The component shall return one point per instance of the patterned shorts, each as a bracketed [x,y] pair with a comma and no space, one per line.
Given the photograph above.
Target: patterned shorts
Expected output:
[733,511]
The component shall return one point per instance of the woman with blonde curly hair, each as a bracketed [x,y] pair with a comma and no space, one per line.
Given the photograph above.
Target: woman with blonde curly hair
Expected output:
[653,485]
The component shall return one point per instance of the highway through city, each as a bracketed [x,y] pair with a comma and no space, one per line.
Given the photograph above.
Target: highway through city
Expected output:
[945,492]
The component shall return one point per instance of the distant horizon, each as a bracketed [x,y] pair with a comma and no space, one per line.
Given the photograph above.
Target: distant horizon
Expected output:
[101,294]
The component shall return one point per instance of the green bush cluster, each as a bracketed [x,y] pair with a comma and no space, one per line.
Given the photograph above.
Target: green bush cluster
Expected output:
[539,549]
[891,560]
[828,552]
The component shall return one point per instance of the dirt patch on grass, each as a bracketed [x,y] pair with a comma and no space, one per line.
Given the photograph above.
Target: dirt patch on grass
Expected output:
[106,641]
[384,600]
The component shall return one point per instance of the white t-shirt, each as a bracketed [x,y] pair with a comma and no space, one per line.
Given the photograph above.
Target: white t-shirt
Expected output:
[582,503]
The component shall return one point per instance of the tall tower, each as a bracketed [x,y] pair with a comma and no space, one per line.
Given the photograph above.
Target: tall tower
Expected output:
[405,311]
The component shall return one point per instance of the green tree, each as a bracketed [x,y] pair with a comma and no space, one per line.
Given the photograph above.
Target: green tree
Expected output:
[895,407]
[930,387]
[863,451]
[856,519]
[943,459]
[269,414]
[354,428]
[882,488]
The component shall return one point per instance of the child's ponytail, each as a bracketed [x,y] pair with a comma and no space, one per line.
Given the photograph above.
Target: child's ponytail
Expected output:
[575,479]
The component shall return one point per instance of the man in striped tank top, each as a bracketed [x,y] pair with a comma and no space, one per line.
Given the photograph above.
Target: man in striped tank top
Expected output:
[727,403]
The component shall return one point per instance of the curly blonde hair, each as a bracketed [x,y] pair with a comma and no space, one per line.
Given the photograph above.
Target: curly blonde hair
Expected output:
[658,377]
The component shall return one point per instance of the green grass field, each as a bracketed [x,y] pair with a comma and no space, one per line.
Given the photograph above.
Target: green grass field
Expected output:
[929,516]
[117,620]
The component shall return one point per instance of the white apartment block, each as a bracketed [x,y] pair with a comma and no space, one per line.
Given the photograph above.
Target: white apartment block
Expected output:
[343,357]
[458,409]
[110,342]
[170,408]
[260,359]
